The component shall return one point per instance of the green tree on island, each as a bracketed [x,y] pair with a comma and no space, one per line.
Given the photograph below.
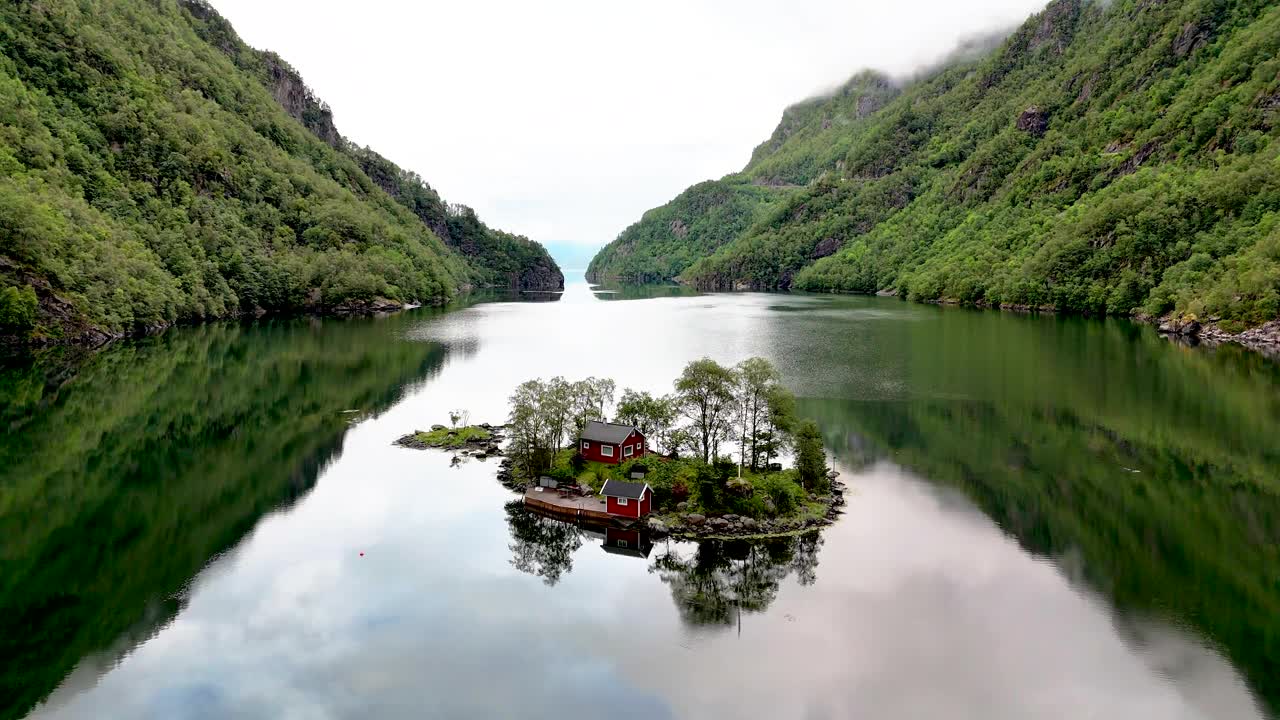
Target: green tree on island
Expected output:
[779,423]
[705,393]
[547,415]
[588,400]
[529,427]
[811,460]
[762,410]
[747,403]
[654,416]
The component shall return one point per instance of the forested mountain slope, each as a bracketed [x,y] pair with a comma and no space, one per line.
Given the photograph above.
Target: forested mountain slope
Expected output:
[500,259]
[154,169]
[1106,158]
[709,215]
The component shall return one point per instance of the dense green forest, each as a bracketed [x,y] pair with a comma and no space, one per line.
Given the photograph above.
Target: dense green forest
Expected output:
[709,215]
[127,470]
[670,238]
[1105,158]
[155,169]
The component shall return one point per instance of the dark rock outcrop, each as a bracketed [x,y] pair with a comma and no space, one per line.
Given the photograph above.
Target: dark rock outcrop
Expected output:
[540,276]
[1033,120]
[872,102]
[1270,106]
[1087,88]
[1051,31]
[298,100]
[1193,37]
[1135,161]
[365,307]
[825,247]
[1264,338]
[1057,26]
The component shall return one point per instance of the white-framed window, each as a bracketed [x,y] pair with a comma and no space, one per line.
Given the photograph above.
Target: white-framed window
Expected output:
[606,450]
[586,445]
[623,544]
[622,501]
[628,450]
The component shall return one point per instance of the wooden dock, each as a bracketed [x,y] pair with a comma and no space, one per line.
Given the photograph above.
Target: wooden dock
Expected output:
[566,506]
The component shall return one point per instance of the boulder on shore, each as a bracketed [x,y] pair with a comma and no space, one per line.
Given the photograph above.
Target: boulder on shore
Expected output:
[695,519]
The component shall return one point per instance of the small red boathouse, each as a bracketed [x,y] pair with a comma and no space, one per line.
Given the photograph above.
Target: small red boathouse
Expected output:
[627,499]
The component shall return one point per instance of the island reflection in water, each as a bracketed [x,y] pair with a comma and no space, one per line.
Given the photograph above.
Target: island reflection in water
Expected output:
[712,581]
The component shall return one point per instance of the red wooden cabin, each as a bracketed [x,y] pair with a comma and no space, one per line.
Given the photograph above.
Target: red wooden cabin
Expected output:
[627,499]
[610,443]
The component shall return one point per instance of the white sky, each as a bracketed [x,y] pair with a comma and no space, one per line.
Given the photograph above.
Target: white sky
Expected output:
[565,120]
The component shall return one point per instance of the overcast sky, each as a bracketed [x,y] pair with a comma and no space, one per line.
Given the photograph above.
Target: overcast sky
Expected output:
[564,120]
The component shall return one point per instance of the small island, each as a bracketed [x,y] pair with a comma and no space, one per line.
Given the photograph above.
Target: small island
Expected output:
[660,461]
[479,441]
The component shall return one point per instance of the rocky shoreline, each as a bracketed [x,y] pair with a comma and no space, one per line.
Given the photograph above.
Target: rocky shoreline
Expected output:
[1264,339]
[696,526]
[507,478]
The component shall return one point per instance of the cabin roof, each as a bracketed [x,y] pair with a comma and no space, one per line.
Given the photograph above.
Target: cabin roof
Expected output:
[620,489]
[606,432]
[640,552]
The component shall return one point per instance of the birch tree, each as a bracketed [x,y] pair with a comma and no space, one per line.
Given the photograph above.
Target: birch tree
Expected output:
[705,393]
[756,378]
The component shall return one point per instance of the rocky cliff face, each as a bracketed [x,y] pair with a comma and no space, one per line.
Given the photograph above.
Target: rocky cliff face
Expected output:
[298,100]
[542,275]
[859,97]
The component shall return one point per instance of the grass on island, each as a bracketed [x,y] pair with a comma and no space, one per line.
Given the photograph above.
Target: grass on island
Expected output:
[708,489]
[454,437]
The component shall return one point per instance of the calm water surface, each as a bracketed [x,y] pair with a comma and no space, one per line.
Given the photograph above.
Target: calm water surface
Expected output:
[1048,518]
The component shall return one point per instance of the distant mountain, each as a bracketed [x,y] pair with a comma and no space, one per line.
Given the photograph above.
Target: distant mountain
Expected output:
[155,169]
[1112,158]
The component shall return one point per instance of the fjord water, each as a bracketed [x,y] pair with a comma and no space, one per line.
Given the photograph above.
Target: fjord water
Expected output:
[1047,517]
